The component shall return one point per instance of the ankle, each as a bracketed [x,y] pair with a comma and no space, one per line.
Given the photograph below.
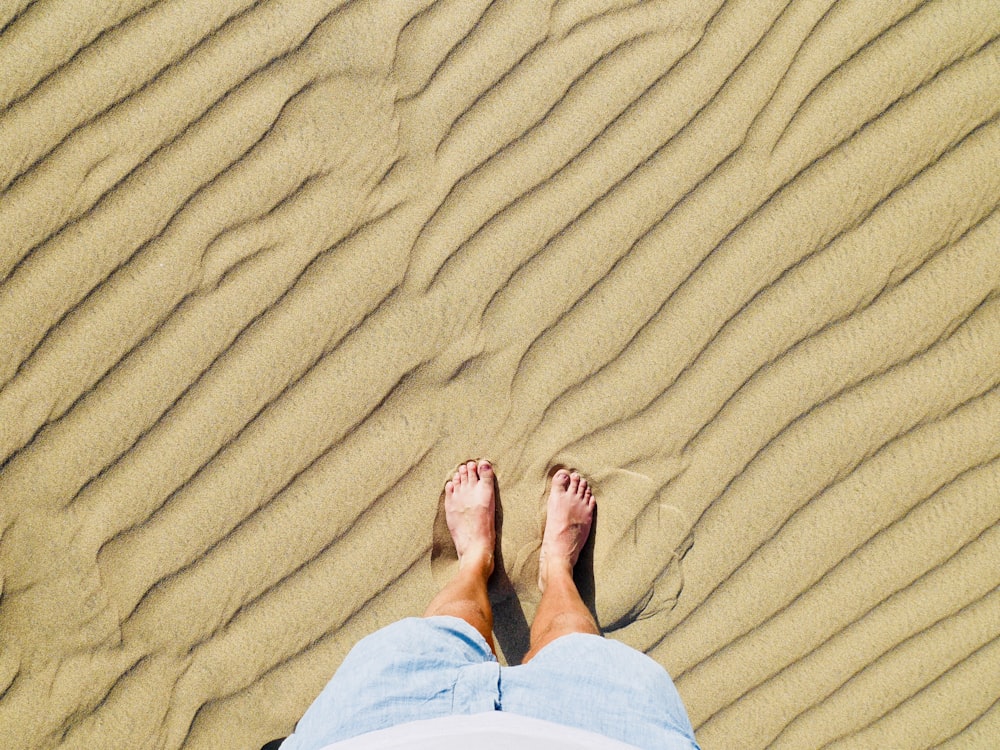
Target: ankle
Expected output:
[558,571]
[479,563]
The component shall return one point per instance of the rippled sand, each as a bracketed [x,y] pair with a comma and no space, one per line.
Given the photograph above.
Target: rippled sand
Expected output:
[270,269]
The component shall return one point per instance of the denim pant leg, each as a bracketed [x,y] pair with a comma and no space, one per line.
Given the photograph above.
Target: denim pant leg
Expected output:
[603,686]
[417,668]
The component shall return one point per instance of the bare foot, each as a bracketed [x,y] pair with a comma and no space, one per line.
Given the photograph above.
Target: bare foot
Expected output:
[469,507]
[567,524]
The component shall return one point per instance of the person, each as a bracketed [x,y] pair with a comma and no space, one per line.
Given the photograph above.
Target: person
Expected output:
[434,681]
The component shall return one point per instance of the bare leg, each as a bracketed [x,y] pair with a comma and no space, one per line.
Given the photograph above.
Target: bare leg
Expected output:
[567,525]
[469,507]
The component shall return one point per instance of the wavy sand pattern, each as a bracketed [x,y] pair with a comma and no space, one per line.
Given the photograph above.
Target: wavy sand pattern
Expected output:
[269,269]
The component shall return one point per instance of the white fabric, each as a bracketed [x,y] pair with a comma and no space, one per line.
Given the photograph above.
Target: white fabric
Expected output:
[496,730]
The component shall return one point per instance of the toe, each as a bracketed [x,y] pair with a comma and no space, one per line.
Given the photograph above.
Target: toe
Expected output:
[473,471]
[449,487]
[485,470]
[561,479]
[463,474]
[574,482]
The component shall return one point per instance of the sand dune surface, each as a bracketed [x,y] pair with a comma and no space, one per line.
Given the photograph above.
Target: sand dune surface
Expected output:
[269,270]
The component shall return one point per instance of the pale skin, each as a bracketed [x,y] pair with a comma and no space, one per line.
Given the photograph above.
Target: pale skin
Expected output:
[469,510]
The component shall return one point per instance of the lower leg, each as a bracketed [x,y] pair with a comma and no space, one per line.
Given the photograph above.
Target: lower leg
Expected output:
[465,597]
[561,610]
[560,613]
[469,509]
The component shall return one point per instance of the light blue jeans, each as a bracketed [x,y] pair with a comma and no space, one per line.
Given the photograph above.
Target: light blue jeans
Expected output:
[425,668]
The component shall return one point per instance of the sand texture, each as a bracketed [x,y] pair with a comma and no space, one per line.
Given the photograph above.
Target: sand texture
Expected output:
[270,269]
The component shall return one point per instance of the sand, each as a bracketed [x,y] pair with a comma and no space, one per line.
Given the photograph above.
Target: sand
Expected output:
[270,269]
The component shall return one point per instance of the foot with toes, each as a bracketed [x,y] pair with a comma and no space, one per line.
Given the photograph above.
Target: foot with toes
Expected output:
[469,505]
[570,514]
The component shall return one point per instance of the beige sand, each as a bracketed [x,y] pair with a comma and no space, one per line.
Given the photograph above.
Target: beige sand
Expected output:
[269,269]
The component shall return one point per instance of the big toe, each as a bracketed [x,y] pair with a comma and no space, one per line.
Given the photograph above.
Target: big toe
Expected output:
[560,479]
[485,469]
